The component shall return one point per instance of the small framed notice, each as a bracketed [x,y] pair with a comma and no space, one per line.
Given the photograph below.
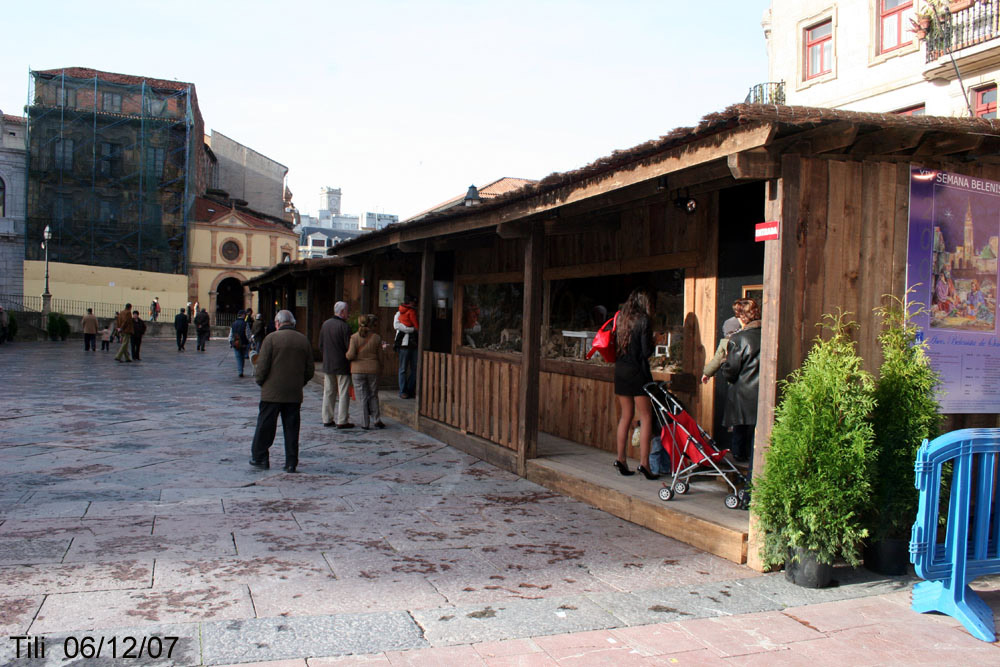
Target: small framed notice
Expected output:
[301,300]
[391,293]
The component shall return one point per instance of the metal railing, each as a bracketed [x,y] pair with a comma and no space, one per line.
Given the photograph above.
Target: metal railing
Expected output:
[20,303]
[771,92]
[977,23]
[225,319]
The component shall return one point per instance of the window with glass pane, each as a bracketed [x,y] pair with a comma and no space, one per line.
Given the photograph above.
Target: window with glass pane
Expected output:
[892,15]
[111,102]
[491,316]
[154,162]
[577,308]
[918,110]
[819,49]
[110,159]
[63,153]
[67,97]
[986,102]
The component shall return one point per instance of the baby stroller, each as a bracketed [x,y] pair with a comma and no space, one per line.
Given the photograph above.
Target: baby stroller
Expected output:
[691,450]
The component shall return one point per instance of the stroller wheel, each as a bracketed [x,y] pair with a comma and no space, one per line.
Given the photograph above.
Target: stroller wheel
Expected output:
[681,487]
[732,502]
[666,494]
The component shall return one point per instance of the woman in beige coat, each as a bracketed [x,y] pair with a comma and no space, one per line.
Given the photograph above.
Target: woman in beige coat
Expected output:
[363,353]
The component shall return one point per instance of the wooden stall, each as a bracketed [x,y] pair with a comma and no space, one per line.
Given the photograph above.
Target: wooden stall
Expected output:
[511,289]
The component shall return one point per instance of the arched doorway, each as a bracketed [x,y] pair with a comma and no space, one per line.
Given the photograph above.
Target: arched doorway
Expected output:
[228,300]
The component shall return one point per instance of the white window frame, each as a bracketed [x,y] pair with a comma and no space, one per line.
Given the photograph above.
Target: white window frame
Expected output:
[828,14]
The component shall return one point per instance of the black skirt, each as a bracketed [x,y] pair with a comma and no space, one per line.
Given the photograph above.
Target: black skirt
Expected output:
[630,379]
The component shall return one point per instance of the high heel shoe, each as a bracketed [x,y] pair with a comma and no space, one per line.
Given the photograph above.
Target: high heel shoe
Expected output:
[622,468]
[646,473]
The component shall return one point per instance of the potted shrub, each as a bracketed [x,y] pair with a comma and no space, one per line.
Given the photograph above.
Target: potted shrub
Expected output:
[813,497]
[905,413]
[52,326]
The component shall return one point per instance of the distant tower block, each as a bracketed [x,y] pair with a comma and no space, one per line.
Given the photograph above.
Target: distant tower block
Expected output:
[329,199]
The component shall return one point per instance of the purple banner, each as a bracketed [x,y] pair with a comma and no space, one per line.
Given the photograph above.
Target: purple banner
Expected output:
[952,264]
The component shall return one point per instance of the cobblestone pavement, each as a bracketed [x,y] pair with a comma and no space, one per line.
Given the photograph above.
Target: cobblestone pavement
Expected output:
[128,512]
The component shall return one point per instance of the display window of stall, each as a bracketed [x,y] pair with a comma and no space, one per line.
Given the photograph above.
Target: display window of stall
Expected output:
[492,316]
[577,308]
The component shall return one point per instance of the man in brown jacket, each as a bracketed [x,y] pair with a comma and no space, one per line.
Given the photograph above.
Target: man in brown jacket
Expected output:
[124,324]
[285,365]
[89,324]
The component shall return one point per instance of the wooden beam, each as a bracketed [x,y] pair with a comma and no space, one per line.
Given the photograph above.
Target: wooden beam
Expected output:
[887,141]
[531,332]
[823,139]
[489,278]
[517,229]
[410,247]
[677,260]
[704,150]
[947,144]
[465,242]
[753,165]
[583,226]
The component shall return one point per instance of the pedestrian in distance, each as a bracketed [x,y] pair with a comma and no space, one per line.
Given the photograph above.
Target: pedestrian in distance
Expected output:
[4,325]
[181,327]
[404,322]
[202,328]
[334,340]
[138,331]
[363,353]
[634,346]
[123,326]
[239,341]
[154,309]
[284,366]
[89,325]
[106,338]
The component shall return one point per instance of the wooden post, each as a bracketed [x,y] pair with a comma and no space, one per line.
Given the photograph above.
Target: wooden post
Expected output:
[425,310]
[531,331]
[777,312]
[367,276]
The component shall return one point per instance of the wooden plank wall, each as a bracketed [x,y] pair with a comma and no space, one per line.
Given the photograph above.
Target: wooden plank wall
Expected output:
[579,409]
[478,396]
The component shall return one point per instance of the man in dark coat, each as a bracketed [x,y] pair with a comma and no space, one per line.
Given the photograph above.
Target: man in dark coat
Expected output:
[284,365]
[742,369]
[203,328]
[334,339]
[123,324]
[138,330]
[181,326]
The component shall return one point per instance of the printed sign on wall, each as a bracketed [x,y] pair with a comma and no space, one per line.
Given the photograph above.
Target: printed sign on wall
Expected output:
[952,263]
[390,293]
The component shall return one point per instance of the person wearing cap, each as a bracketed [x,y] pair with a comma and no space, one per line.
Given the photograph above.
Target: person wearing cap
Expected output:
[334,341]
[239,341]
[405,324]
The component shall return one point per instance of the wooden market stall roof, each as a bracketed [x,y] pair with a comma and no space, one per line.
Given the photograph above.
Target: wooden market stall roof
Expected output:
[747,138]
[297,266]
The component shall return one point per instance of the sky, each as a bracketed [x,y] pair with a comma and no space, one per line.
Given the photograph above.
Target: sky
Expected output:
[403,105]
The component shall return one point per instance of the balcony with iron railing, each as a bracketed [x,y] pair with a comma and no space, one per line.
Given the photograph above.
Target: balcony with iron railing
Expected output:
[954,31]
[771,92]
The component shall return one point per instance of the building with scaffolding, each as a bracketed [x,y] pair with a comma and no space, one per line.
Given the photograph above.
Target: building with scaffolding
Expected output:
[114,164]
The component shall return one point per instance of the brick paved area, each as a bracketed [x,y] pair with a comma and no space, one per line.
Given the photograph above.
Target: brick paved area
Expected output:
[128,510]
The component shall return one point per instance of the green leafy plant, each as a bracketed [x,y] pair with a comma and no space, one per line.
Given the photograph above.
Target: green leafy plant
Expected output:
[57,326]
[815,491]
[905,413]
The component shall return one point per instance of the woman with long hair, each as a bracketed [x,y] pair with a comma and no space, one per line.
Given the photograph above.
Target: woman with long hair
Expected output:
[634,345]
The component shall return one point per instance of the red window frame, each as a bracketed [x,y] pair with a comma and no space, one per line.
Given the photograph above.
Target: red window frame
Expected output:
[820,44]
[984,108]
[897,15]
[918,110]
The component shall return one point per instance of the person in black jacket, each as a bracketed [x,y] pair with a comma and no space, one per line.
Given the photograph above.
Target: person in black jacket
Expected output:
[181,326]
[239,340]
[138,330]
[202,327]
[742,369]
[634,345]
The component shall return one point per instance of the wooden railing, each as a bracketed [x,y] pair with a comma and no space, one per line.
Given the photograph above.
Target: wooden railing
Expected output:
[478,396]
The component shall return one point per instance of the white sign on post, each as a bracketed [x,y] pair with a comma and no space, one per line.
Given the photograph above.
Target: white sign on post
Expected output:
[391,293]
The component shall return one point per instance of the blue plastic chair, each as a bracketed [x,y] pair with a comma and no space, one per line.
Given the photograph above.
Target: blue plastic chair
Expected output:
[970,546]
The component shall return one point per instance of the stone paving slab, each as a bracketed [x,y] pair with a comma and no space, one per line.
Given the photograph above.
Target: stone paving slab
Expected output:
[64,649]
[75,577]
[275,639]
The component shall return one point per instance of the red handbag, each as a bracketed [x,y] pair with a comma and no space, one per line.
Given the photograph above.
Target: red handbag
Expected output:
[604,341]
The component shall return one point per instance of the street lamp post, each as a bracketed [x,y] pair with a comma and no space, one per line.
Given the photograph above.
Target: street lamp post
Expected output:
[46,295]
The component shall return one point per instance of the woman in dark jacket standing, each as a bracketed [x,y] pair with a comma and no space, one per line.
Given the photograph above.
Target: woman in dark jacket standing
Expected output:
[634,343]
[742,369]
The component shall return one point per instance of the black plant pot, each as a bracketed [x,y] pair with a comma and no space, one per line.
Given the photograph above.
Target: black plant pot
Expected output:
[889,556]
[807,571]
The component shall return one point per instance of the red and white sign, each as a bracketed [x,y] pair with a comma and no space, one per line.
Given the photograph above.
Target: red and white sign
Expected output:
[766,231]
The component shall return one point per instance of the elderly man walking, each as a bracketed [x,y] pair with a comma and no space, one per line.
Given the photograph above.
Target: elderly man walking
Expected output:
[334,339]
[90,327]
[124,325]
[284,365]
